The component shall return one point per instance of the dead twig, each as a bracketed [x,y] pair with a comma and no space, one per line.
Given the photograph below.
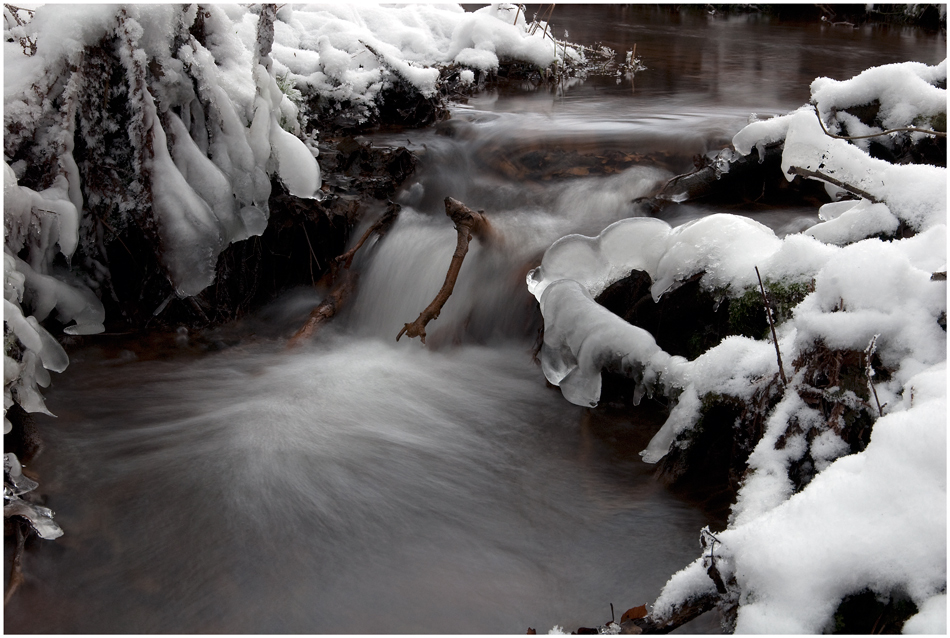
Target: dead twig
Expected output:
[804,172]
[345,283]
[768,313]
[327,308]
[467,223]
[869,372]
[381,226]
[865,137]
[679,616]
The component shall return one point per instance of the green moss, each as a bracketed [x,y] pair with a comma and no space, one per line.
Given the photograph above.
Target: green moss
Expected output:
[937,122]
[747,313]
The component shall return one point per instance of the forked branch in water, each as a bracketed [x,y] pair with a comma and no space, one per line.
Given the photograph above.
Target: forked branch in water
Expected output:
[468,223]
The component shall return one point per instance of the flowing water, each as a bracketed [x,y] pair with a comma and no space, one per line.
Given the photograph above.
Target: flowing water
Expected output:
[363,485]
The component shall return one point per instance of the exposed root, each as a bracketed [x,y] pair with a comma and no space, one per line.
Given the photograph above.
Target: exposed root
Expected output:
[468,223]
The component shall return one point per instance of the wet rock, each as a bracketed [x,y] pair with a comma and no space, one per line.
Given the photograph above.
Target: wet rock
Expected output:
[685,321]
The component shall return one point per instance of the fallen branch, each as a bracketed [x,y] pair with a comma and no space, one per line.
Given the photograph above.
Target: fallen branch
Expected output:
[380,227]
[804,172]
[467,223]
[682,614]
[345,283]
[768,313]
[327,308]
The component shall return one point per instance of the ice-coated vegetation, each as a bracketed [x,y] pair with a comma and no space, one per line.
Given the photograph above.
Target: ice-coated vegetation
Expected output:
[183,114]
[872,520]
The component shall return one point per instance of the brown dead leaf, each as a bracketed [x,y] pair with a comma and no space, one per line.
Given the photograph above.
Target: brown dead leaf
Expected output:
[532,631]
[634,612]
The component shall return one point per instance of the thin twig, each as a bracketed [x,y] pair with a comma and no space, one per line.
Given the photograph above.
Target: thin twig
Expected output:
[312,254]
[804,172]
[869,371]
[768,313]
[887,132]
[117,236]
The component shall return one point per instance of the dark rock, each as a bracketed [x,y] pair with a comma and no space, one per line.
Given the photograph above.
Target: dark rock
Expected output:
[685,321]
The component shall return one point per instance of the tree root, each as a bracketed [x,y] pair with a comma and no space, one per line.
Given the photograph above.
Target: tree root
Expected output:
[468,223]
[345,283]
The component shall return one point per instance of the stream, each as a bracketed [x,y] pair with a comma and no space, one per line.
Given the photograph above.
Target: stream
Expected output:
[360,485]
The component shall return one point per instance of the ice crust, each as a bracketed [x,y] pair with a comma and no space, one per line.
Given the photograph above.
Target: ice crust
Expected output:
[874,520]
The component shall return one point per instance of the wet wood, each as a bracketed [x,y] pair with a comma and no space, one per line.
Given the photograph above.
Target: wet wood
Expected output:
[468,223]
[344,280]
[689,610]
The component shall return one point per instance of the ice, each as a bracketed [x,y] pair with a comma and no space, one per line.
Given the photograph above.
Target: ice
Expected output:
[862,219]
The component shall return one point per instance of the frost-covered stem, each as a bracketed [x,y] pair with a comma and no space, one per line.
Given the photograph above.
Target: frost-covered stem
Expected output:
[140,127]
[804,172]
[28,43]
[865,137]
[869,371]
[265,34]
[768,313]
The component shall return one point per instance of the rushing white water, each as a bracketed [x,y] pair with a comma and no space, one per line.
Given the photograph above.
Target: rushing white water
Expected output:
[353,486]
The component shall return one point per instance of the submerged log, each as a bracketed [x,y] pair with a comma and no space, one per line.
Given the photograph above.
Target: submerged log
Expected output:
[468,223]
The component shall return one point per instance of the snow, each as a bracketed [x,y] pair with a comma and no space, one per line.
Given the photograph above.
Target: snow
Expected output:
[869,520]
[874,520]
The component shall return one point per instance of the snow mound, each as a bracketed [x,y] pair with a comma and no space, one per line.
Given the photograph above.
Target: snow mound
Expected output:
[868,521]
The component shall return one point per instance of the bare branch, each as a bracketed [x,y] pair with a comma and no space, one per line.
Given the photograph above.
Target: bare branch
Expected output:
[804,172]
[467,223]
[887,132]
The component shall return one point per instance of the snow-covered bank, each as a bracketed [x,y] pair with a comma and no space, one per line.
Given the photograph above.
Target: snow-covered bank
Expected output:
[815,519]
